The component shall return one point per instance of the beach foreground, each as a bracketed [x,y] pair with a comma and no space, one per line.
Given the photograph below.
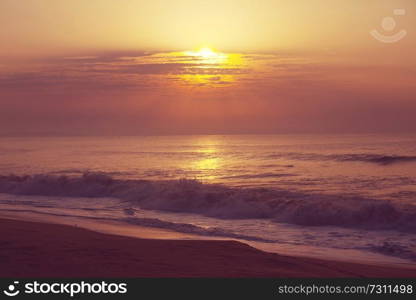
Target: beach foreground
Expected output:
[30,249]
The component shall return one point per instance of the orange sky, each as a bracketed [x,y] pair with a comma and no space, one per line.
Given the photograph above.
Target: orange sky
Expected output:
[135,67]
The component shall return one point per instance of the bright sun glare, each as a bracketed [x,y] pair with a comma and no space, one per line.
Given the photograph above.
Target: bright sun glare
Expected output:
[208,67]
[207,52]
[204,52]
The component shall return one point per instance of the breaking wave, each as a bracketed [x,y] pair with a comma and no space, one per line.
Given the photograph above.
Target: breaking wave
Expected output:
[376,158]
[213,200]
[380,159]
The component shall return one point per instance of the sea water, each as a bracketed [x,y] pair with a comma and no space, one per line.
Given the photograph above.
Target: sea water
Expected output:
[350,197]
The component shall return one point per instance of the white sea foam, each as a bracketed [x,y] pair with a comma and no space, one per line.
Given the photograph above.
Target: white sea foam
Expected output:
[191,196]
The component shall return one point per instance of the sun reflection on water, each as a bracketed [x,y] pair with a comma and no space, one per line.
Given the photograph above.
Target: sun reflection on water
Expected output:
[209,161]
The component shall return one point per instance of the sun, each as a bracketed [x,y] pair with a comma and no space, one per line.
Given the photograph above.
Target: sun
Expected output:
[205,66]
[207,52]
[204,53]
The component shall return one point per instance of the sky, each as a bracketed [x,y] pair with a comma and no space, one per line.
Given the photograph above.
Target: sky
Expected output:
[126,67]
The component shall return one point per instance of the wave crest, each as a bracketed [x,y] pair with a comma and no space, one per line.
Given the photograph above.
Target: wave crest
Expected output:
[380,159]
[376,158]
[191,196]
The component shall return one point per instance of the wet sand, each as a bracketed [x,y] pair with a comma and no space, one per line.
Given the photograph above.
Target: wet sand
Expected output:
[32,249]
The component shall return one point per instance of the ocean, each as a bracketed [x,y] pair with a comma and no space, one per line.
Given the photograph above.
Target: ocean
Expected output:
[348,197]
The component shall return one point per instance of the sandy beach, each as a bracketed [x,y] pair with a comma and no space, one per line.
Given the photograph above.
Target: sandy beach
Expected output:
[31,249]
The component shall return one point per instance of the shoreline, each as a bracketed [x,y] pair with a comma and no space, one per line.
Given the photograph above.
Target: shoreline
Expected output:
[36,249]
[114,227]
